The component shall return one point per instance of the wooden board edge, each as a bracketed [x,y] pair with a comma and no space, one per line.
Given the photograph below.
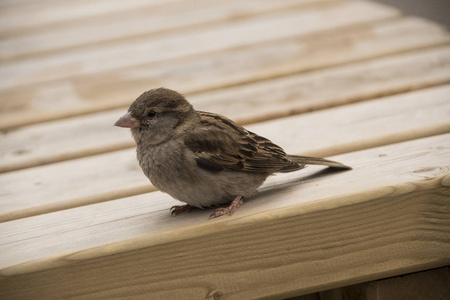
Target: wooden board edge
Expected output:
[420,193]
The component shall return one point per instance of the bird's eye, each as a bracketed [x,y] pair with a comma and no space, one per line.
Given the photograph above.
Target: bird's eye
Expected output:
[151,113]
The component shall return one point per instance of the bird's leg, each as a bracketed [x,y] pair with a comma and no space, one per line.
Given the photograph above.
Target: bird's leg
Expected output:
[179,209]
[238,201]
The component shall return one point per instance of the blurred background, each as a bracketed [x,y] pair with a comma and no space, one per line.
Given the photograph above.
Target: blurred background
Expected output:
[437,10]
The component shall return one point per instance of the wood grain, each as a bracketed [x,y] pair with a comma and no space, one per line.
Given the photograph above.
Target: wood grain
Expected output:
[94,134]
[98,58]
[333,87]
[50,16]
[350,233]
[23,15]
[117,174]
[146,20]
[79,220]
[115,88]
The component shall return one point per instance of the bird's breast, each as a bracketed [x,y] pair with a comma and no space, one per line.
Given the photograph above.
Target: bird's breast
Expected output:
[164,163]
[173,169]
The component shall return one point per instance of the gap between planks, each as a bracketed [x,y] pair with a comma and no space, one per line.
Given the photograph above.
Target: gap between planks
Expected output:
[282,25]
[240,66]
[384,218]
[112,175]
[25,15]
[16,19]
[151,22]
[259,102]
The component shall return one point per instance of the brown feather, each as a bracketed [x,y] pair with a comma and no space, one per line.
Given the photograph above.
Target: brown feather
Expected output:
[201,158]
[222,142]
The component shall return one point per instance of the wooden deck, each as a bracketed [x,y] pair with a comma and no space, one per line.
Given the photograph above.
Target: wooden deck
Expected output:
[352,80]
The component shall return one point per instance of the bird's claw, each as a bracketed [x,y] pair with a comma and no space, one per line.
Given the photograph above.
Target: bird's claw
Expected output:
[230,210]
[179,209]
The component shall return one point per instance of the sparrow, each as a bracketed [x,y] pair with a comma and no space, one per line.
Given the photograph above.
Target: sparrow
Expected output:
[203,159]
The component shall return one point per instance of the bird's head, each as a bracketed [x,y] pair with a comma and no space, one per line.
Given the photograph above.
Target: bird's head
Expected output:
[156,115]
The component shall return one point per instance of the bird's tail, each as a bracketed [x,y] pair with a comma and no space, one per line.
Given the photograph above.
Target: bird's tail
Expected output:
[308,160]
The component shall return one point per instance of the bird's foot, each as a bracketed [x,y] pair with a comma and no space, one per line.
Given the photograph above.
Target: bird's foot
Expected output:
[179,209]
[238,201]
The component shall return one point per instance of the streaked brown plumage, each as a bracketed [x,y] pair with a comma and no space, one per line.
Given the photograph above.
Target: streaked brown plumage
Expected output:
[201,158]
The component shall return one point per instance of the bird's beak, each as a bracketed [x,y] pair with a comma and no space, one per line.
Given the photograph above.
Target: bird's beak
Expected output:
[128,121]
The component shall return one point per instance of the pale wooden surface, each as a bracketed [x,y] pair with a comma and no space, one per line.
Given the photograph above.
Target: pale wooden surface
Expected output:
[283,24]
[319,77]
[354,235]
[215,70]
[411,115]
[142,20]
[92,88]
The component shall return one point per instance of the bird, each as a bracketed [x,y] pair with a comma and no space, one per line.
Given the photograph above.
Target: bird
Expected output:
[200,158]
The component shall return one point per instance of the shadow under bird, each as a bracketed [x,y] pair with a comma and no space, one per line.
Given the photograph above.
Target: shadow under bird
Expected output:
[201,158]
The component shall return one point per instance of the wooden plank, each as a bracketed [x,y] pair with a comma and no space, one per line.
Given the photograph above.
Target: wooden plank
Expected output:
[384,218]
[341,85]
[112,175]
[15,154]
[196,41]
[241,65]
[20,15]
[143,20]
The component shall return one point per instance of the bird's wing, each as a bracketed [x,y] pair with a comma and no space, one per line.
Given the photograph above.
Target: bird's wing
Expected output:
[218,144]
